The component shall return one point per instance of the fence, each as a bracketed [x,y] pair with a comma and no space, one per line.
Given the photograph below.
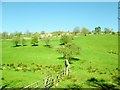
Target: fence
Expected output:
[49,81]
[33,85]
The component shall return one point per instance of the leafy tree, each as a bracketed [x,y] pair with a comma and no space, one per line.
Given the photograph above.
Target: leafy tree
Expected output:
[57,33]
[68,50]
[47,41]
[113,33]
[42,32]
[85,31]
[0,35]
[34,40]
[97,30]
[28,34]
[76,30]
[23,41]
[107,31]
[4,35]
[65,39]
[16,40]
[18,34]
[11,35]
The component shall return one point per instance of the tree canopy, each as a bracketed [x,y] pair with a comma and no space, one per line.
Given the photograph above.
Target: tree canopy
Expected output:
[34,41]
[69,50]
[65,39]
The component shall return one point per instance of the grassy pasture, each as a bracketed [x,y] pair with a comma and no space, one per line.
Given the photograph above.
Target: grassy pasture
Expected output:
[95,61]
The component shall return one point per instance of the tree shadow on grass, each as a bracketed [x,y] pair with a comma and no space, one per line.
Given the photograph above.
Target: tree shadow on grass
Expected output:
[61,58]
[100,84]
[49,46]
[62,44]
[72,59]
[24,45]
[17,46]
[75,59]
[35,45]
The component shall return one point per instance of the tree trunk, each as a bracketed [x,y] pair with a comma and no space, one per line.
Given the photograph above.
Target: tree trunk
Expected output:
[67,67]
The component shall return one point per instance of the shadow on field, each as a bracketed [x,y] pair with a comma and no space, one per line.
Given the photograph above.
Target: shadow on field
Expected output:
[100,84]
[49,46]
[60,58]
[72,59]
[24,45]
[62,44]
[35,45]
[17,46]
[75,59]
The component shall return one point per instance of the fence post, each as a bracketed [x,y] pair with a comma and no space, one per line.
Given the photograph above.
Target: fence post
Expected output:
[67,67]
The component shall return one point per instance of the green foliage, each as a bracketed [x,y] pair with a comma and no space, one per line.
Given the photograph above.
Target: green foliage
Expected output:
[4,35]
[16,40]
[74,86]
[18,34]
[107,31]
[0,35]
[34,40]
[85,31]
[11,35]
[76,30]
[28,34]
[68,50]
[23,41]
[97,30]
[57,33]
[100,83]
[47,41]
[42,32]
[65,39]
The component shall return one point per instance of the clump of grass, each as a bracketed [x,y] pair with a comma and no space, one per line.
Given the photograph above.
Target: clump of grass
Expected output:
[74,86]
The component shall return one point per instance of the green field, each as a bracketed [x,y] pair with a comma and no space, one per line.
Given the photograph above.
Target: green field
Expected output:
[98,60]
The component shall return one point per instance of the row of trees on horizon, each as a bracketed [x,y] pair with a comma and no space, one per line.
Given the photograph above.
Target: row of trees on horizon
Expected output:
[76,31]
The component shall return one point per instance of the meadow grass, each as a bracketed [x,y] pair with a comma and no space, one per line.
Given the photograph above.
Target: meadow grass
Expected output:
[94,54]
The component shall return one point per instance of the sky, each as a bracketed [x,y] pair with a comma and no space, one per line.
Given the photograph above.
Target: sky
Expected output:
[58,16]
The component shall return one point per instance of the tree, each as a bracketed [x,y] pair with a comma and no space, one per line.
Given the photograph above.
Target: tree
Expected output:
[16,40]
[57,33]
[11,35]
[28,34]
[34,40]
[69,50]
[0,35]
[65,39]
[85,31]
[42,32]
[23,41]
[4,35]
[107,31]
[47,41]
[113,33]
[18,34]
[76,30]
[97,30]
